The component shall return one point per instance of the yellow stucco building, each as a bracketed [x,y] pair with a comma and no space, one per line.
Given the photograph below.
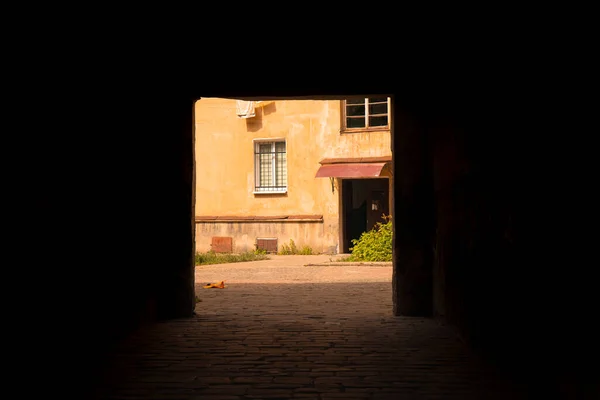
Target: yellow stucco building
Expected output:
[313,171]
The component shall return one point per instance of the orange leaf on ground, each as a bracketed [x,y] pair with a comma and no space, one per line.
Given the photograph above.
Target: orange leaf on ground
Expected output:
[220,285]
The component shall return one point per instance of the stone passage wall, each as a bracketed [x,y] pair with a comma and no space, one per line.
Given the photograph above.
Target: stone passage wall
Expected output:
[481,285]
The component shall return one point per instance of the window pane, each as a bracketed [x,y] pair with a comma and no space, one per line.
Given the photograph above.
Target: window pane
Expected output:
[355,122]
[264,148]
[378,108]
[378,121]
[355,101]
[279,147]
[280,165]
[266,170]
[377,99]
[281,170]
[355,110]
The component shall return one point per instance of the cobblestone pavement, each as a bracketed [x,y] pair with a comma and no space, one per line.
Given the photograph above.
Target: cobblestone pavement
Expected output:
[283,330]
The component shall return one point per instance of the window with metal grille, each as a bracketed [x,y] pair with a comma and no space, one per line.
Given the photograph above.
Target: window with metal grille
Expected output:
[270,164]
[366,113]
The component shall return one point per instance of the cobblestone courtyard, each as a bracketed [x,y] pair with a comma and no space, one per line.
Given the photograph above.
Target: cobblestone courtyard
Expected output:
[284,330]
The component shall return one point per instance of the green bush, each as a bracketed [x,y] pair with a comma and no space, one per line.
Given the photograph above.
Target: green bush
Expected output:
[288,249]
[374,245]
[306,250]
[293,249]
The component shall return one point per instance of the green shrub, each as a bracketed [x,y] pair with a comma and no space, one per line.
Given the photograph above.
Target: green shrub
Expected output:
[293,249]
[374,245]
[288,249]
[306,250]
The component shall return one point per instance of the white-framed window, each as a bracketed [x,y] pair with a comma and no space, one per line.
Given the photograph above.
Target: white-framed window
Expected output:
[366,113]
[270,166]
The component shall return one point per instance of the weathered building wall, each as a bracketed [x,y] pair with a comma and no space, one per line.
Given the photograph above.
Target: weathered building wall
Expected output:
[226,171]
[244,235]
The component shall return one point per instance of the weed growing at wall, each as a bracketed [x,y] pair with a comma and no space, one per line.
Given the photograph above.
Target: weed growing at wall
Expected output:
[218,258]
[374,245]
[306,250]
[293,249]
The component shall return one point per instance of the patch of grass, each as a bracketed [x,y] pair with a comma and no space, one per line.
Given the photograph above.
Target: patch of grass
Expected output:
[341,259]
[293,249]
[225,258]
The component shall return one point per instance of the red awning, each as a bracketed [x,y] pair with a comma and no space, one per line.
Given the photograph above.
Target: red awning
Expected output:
[351,170]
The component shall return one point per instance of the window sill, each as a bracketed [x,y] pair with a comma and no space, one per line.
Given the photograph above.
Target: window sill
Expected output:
[272,192]
[361,130]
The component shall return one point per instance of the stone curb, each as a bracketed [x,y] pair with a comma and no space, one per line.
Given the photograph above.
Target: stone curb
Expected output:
[350,264]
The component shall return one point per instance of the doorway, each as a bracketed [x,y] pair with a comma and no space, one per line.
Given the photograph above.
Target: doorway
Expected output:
[364,203]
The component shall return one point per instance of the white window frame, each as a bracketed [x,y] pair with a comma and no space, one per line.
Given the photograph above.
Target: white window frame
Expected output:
[273,141]
[366,116]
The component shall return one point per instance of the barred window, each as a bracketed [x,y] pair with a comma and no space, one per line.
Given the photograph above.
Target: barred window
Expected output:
[366,113]
[270,164]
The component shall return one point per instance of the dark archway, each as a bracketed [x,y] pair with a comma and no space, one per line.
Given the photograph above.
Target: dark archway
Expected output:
[116,197]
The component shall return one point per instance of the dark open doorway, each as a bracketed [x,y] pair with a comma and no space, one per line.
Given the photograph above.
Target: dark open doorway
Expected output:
[364,203]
